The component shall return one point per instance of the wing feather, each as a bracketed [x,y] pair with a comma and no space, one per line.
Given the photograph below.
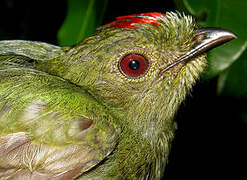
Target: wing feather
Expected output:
[49,128]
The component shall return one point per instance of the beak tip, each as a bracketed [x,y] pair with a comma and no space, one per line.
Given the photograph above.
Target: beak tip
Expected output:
[234,36]
[230,35]
[209,38]
[217,33]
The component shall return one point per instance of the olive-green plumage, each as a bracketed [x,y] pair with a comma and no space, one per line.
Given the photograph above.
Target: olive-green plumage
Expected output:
[68,113]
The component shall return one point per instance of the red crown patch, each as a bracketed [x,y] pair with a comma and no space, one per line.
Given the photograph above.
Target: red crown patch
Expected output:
[131,21]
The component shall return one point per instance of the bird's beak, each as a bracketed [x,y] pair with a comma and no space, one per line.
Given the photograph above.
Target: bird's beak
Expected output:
[206,39]
[209,38]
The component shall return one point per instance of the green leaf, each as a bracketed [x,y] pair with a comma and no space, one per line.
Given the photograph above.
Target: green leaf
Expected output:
[234,79]
[227,14]
[180,6]
[83,17]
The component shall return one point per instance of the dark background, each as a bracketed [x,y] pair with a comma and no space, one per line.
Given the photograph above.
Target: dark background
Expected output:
[210,139]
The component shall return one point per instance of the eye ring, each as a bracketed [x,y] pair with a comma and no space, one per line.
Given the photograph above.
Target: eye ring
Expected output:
[133,65]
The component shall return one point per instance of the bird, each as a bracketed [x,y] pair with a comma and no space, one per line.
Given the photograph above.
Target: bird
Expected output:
[103,108]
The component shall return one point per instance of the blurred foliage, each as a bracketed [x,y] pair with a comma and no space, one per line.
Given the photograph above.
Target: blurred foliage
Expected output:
[229,62]
[83,17]
[232,82]
[227,14]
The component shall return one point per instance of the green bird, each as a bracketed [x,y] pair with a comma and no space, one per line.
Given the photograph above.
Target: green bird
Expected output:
[104,108]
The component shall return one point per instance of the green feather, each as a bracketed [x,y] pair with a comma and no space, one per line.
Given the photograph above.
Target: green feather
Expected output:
[75,101]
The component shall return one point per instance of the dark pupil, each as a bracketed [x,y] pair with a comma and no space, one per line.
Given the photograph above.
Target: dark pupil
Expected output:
[134,65]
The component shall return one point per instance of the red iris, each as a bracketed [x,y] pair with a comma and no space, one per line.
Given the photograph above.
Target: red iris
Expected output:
[133,65]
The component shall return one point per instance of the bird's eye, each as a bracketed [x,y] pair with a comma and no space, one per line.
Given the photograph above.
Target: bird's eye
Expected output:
[133,65]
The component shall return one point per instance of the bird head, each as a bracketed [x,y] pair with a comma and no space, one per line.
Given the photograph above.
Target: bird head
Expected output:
[142,66]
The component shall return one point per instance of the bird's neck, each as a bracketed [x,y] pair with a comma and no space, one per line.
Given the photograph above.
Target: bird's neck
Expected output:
[138,158]
[145,143]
